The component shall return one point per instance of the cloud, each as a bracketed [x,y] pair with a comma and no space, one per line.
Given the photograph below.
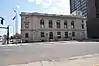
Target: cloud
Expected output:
[43,3]
[46,3]
[38,1]
[18,6]
[56,6]
[60,7]
[31,0]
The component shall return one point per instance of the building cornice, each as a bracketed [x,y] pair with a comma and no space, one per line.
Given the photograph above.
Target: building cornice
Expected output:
[51,15]
[53,30]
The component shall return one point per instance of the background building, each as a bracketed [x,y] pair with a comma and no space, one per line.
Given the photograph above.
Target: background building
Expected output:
[49,27]
[93,18]
[78,5]
[89,8]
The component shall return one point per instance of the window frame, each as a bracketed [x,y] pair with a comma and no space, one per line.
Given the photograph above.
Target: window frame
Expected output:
[26,24]
[26,35]
[82,26]
[50,35]
[65,24]
[58,35]
[66,36]
[58,24]
[50,24]
[73,34]
[26,19]
[42,34]
[72,24]
[41,23]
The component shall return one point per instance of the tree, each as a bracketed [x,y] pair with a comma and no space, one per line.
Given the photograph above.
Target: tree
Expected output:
[5,36]
[11,37]
[16,36]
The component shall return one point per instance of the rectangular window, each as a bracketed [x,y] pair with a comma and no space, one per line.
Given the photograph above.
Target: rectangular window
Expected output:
[42,34]
[58,35]
[26,35]
[50,35]
[73,34]
[66,34]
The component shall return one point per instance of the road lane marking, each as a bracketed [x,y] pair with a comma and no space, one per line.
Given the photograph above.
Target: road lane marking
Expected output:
[96,65]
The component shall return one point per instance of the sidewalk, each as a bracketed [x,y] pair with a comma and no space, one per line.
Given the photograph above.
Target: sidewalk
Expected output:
[88,60]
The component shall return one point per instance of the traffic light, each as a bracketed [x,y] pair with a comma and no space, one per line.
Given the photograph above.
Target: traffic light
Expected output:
[2,21]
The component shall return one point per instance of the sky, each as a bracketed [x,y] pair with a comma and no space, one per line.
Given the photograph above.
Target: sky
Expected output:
[7,8]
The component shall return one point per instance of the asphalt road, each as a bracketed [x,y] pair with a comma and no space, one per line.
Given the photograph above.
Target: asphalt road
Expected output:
[20,54]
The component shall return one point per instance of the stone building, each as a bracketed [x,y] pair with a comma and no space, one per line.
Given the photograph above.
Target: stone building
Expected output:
[50,27]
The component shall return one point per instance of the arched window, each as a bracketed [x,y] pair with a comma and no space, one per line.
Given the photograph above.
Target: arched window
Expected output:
[50,24]
[26,24]
[82,21]
[42,23]
[82,25]
[65,24]
[72,24]
[27,19]
[58,23]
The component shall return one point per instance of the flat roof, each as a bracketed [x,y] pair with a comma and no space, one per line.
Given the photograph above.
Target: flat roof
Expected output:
[50,15]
